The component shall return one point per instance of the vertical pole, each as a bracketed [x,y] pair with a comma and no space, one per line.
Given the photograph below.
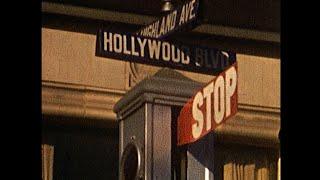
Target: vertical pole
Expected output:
[161,142]
[200,158]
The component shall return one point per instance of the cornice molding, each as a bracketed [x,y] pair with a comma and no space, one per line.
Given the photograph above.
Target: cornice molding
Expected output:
[251,128]
[138,19]
[252,125]
[83,101]
[79,101]
[93,13]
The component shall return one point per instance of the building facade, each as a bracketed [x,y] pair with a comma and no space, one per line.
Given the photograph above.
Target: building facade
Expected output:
[79,89]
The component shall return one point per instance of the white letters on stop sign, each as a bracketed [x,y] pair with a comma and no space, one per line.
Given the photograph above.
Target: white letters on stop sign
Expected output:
[217,96]
[231,83]
[197,115]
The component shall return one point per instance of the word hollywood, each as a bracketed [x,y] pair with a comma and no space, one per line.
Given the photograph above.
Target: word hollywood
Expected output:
[162,53]
[174,20]
[156,49]
[210,107]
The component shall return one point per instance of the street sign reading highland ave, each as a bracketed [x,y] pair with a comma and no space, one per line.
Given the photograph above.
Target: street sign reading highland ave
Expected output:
[187,15]
[148,47]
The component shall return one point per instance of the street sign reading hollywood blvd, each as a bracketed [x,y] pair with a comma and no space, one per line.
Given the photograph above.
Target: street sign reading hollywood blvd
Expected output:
[145,46]
[133,48]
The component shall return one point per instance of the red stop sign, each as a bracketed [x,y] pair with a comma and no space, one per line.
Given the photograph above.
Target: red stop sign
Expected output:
[209,107]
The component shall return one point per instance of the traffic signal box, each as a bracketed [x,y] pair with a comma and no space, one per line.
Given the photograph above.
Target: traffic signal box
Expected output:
[147,117]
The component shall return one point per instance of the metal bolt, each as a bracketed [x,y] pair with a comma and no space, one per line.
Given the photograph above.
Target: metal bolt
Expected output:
[167,6]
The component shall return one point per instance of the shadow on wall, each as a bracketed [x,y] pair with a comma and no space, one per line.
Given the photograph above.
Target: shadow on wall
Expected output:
[82,152]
